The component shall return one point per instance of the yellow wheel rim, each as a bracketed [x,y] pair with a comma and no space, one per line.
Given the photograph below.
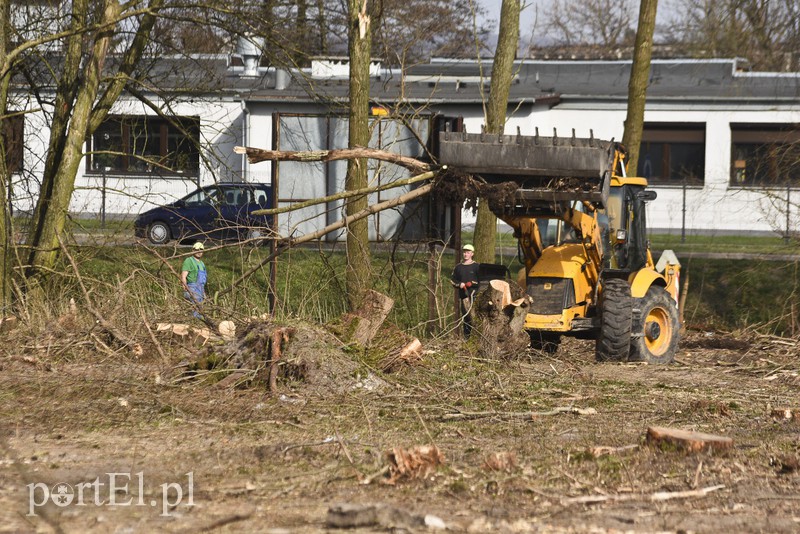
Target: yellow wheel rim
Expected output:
[657,331]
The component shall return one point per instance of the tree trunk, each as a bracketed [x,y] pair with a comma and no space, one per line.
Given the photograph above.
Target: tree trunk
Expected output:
[65,97]
[357,274]
[53,218]
[6,241]
[637,85]
[77,113]
[502,74]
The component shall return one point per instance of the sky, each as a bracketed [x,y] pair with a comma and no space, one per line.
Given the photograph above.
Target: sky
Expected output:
[525,17]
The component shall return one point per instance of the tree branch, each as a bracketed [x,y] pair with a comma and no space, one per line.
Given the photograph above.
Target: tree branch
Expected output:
[347,194]
[287,243]
[257,155]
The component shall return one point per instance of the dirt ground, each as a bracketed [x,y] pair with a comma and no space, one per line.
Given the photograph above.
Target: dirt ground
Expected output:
[518,440]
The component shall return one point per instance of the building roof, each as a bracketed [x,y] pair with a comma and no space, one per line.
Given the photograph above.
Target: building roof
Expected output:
[685,79]
[467,81]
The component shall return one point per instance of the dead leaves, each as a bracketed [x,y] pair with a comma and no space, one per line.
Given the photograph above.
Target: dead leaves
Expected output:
[500,461]
[418,462]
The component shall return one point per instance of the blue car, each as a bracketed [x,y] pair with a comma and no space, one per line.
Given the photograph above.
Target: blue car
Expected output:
[220,211]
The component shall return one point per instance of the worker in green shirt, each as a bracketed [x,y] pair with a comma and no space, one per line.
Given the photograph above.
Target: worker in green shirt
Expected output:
[193,278]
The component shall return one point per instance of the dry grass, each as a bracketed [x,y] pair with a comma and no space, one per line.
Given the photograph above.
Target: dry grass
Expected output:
[74,410]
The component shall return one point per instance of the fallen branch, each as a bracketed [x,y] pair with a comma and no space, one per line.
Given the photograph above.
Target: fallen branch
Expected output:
[667,495]
[124,340]
[257,155]
[597,452]
[655,497]
[518,415]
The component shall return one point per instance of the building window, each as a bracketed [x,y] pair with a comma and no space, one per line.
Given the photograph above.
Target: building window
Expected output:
[146,145]
[13,132]
[673,153]
[765,155]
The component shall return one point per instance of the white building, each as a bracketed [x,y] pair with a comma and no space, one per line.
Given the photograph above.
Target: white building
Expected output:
[720,144]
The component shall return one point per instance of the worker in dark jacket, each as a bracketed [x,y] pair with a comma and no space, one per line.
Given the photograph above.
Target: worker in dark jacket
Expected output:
[465,278]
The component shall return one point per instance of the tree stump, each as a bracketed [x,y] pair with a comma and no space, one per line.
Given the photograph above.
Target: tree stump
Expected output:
[498,315]
[686,440]
[363,324]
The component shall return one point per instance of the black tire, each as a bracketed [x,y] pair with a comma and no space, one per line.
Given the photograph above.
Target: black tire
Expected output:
[546,342]
[616,311]
[656,329]
[158,233]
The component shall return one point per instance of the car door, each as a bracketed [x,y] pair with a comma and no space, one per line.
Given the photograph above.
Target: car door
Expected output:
[235,200]
[196,213]
[262,199]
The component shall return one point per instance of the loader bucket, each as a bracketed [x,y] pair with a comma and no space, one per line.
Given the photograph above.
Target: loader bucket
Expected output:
[546,168]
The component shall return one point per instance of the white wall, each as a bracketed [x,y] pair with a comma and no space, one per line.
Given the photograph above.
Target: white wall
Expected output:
[714,207]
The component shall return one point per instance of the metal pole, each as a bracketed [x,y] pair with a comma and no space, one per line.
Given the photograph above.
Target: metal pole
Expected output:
[788,208]
[683,214]
[103,202]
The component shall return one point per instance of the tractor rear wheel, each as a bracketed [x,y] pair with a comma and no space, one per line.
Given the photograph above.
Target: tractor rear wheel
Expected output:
[656,330]
[616,311]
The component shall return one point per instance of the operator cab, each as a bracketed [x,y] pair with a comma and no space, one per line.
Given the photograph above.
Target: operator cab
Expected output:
[623,225]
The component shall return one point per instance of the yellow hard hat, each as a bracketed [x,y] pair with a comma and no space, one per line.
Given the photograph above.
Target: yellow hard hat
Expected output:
[198,246]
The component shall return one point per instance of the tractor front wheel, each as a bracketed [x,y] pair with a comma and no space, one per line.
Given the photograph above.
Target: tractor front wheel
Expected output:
[656,330]
[616,310]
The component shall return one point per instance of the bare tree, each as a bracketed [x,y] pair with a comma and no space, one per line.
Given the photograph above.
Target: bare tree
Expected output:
[502,74]
[766,32]
[600,23]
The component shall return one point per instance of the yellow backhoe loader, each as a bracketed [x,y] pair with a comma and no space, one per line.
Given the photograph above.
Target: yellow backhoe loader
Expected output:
[579,221]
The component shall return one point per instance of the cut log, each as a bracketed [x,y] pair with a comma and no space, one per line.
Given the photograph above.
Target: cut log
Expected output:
[686,440]
[499,318]
[227,329]
[404,355]
[368,318]
[379,517]
[185,334]
[8,324]
[784,414]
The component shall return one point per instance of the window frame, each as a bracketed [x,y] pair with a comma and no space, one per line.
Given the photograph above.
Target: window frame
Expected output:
[669,136]
[769,137]
[153,131]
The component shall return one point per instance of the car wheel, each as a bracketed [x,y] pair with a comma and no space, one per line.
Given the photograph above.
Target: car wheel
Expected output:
[254,233]
[257,236]
[158,233]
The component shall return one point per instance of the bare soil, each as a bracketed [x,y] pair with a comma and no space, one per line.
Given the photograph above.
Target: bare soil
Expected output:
[518,439]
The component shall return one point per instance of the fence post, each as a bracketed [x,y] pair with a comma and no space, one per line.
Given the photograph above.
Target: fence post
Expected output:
[786,236]
[683,214]
[103,201]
